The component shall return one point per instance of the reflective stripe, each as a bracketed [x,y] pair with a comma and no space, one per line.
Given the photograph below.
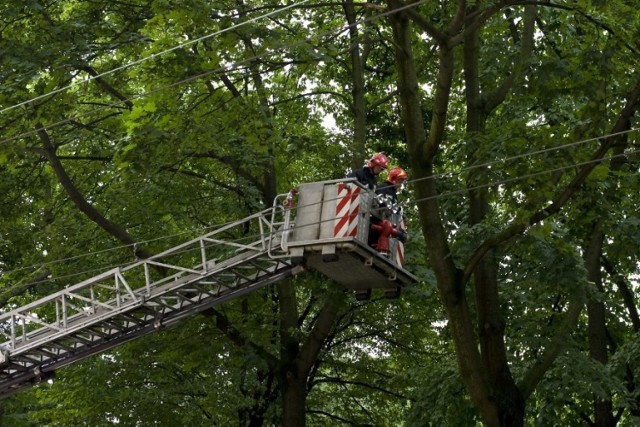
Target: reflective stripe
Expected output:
[347,208]
[400,247]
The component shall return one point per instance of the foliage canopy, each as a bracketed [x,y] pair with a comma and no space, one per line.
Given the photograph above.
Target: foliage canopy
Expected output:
[129,126]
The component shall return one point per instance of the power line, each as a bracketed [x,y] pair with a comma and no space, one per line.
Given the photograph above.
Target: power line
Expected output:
[238,64]
[116,248]
[440,195]
[527,154]
[153,56]
[439,175]
[431,177]
[531,175]
[112,266]
[234,66]
[264,235]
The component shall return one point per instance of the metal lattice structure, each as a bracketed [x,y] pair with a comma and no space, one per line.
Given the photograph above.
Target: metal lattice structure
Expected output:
[127,302]
[124,303]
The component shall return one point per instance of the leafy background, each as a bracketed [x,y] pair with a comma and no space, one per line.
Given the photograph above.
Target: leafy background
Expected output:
[151,122]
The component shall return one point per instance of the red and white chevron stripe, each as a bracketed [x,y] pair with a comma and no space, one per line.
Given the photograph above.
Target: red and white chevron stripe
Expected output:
[400,254]
[400,247]
[347,209]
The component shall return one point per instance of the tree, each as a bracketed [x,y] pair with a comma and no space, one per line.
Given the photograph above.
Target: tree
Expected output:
[481,350]
[129,127]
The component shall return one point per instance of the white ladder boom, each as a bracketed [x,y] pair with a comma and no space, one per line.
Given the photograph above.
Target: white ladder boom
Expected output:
[122,304]
[327,232]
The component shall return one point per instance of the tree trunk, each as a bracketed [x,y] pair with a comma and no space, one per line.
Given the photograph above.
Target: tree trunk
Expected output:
[296,357]
[294,399]
[359,108]
[510,401]
[597,327]
[596,310]
[422,151]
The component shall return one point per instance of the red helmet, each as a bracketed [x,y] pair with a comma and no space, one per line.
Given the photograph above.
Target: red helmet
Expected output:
[378,160]
[397,174]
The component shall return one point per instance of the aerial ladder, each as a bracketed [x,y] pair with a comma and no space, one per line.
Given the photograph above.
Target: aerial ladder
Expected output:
[326,230]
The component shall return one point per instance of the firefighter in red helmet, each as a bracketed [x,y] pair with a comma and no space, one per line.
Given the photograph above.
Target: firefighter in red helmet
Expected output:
[368,174]
[394,181]
[387,196]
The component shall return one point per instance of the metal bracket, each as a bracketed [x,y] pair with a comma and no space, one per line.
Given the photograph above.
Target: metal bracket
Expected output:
[157,321]
[329,253]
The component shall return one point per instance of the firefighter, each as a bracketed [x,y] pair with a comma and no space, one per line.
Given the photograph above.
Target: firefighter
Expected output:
[381,225]
[368,174]
[393,183]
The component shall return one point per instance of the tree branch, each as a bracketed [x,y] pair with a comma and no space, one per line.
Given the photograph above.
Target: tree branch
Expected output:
[490,102]
[235,336]
[627,295]
[105,85]
[535,374]
[21,288]
[623,123]
[422,23]
[80,202]
[321,330]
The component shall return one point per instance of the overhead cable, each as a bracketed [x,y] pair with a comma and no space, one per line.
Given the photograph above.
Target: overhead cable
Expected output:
[155,55]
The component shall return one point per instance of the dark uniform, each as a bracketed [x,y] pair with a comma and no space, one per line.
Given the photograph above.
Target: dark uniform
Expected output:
[365,176]
[388,189]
